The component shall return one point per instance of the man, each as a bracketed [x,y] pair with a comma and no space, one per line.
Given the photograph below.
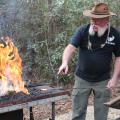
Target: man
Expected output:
[97,42]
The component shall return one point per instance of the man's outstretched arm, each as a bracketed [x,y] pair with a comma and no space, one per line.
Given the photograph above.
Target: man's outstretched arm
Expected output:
[67,54]
[116,72]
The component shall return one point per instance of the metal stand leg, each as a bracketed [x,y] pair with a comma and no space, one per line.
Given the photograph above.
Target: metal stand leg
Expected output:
[53,111]
[31,114]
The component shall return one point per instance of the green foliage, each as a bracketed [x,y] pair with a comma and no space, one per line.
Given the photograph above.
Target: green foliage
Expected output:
[42,29]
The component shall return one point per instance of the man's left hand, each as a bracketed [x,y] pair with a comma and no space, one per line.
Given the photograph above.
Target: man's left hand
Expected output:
[112,84]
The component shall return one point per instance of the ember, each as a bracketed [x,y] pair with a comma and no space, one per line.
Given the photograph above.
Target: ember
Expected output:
[43,89]
[10,68]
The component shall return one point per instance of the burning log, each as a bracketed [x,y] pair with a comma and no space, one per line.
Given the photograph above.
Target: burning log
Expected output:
[115,103]
[10,68]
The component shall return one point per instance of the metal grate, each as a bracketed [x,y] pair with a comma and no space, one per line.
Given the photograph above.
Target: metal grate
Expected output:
[36,93]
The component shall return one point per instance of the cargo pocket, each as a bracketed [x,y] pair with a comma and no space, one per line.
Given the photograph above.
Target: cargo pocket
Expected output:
[80,99]
[102,95]
[75,99]
[75,95]
[75,92]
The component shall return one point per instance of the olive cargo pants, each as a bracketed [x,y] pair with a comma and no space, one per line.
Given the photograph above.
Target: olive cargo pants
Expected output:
[80,94]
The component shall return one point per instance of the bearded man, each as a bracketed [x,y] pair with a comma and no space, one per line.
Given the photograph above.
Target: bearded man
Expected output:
[97,42]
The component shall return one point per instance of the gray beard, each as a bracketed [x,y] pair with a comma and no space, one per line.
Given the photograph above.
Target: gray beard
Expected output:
[100,32]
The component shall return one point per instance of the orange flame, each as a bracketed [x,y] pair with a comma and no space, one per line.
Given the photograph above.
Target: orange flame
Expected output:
[10,68]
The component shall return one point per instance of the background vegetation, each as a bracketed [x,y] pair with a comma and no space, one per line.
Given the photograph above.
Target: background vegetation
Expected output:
[42,28]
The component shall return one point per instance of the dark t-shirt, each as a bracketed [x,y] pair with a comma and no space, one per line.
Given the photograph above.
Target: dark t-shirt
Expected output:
[95,65]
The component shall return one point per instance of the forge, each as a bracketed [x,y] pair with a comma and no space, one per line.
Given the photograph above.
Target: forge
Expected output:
[11,106]
[14,95]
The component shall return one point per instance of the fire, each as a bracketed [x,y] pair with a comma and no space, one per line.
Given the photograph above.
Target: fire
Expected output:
[10,68]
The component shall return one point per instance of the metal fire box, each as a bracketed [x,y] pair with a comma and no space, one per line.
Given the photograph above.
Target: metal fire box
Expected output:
[15,102]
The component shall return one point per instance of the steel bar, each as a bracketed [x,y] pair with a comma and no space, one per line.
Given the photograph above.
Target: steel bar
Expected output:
[31,114]
[53,111]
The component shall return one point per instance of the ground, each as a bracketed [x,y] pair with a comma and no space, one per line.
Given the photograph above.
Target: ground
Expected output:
[63,106]
[44,111]
[63,111]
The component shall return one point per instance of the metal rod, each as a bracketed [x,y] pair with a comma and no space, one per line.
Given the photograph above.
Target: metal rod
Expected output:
[31,114]
[53,111]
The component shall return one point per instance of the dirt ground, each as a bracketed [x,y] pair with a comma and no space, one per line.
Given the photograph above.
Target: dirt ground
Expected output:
[41,112]
[63,109]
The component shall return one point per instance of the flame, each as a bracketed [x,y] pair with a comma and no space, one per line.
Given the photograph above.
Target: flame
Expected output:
[10,68]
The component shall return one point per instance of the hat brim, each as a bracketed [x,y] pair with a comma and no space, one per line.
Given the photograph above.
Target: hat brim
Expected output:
[89,13]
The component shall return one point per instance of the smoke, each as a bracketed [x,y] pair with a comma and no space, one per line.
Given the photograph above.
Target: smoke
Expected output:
[11,11]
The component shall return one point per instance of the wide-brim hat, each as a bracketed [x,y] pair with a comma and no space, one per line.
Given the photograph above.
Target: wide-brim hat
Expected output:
[100,10]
